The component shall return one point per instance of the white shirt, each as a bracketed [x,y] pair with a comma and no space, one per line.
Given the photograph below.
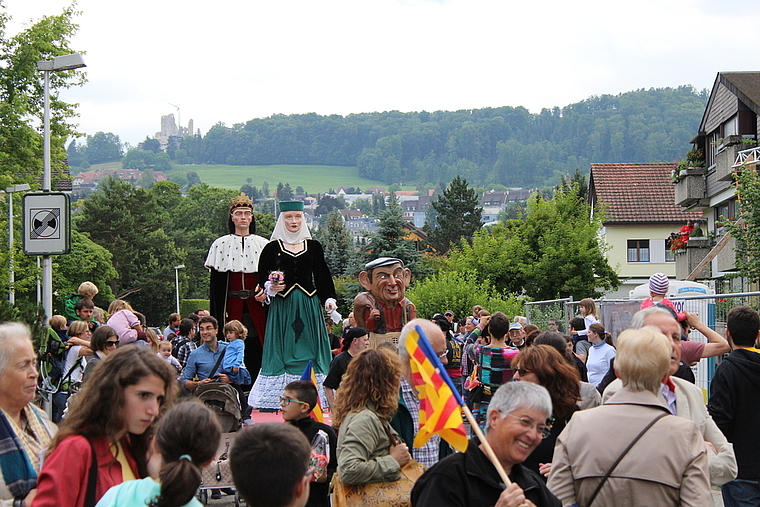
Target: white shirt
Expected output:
[238,254]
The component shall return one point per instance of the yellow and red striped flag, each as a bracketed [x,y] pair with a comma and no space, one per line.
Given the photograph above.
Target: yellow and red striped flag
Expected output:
[308,374]
[440,403]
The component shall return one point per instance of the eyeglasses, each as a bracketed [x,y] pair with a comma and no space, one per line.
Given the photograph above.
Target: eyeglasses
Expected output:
[443,354]
[112,343]
[285,401]
[543,429]
[522,371]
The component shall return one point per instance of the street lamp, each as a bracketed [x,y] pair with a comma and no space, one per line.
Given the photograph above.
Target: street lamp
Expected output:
[12,279]
[57,64]
[176,281]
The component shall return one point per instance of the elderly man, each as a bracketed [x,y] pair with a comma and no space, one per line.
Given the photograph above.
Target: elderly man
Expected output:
[383,309]
[684,399]
[406,422]
[651,457]
[517,422]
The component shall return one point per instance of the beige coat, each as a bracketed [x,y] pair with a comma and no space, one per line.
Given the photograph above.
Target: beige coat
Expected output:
[690,404]
[667,466]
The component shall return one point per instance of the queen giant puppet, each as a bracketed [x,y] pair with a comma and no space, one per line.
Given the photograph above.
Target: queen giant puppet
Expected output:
[301,290]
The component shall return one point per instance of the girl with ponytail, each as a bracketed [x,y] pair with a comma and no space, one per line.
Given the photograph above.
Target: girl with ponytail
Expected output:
[182,456]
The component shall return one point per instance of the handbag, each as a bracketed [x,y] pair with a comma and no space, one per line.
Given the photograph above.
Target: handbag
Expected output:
[379,494]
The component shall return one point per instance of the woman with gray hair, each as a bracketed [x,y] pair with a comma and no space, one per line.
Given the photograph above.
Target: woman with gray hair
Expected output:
[650,458]
[517,422]
[25,430]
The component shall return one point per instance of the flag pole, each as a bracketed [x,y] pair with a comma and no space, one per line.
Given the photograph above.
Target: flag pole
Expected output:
[486,446]
[433,358]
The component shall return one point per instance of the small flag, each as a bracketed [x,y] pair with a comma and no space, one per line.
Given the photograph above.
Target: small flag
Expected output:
[308,374]
[440,403]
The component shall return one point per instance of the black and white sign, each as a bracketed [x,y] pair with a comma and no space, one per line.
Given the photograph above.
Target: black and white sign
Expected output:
[47,224]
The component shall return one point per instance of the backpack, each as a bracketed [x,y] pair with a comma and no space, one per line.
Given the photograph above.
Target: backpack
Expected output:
[177,343]
[52,357]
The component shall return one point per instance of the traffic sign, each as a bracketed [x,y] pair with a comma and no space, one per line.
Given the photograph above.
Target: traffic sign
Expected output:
[47,223]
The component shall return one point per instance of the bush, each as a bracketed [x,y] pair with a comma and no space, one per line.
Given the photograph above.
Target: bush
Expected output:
[459,292]
[188,306]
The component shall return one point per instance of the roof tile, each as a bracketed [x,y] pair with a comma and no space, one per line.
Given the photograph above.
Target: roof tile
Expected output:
[638,193]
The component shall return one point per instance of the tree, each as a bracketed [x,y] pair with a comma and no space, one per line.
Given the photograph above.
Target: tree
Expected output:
[459,292]
[457,216]
[192,178]
[337,244]
[21,97]
[149,144]
[129,223]
[104,147]
[326,205]
[554,253]
[86,261]
[390,240]
[745,226]
[147,180]
[363,205]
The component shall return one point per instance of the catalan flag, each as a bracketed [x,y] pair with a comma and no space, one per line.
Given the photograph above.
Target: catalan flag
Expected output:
[440,403]
[308,374]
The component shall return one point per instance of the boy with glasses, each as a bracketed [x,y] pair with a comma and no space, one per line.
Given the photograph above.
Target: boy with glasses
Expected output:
[297,401]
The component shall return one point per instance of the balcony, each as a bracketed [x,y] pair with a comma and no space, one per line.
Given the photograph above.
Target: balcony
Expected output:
[727,153]
[690,256]
[690,187]
[726,258]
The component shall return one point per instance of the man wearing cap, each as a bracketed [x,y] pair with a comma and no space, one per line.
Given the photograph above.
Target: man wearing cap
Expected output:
[233,261]
[517,335]
[383,310]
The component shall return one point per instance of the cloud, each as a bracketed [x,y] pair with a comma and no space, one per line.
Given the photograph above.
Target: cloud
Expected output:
[233,60]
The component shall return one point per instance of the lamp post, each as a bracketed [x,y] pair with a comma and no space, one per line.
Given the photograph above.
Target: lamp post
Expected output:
[176,281]
[57,64]
[11,277]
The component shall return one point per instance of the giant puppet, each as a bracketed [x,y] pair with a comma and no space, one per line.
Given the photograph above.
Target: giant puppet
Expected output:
[235,291]
[301,289]
[384,309]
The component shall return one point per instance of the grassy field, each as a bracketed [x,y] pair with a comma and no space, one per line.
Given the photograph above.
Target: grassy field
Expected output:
[313,178]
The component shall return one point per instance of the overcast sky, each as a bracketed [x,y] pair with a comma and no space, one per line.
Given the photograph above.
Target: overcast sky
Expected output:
[233,60]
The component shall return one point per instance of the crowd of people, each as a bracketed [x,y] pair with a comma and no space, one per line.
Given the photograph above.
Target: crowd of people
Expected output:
[569,419]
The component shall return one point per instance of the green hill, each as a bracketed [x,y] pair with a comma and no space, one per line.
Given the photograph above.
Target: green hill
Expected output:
[313,178]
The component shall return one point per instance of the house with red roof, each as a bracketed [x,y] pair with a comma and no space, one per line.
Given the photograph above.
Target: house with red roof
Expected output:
[727,138]
[640,215]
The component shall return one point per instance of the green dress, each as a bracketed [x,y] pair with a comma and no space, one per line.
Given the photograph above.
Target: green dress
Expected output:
[295,332]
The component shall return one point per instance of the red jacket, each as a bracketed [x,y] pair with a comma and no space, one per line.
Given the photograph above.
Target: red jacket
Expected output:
[64,475]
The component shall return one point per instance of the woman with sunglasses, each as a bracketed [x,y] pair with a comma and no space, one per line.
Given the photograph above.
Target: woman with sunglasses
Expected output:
[545,366]
[104,439]
[104,341]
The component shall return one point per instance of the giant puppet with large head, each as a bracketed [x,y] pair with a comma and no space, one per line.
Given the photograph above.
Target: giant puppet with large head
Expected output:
[384,309]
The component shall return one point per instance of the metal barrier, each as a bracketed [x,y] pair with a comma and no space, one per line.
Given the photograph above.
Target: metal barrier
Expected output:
[616,316]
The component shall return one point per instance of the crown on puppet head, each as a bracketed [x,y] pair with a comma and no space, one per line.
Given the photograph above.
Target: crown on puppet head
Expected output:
[241,201]
[291,205]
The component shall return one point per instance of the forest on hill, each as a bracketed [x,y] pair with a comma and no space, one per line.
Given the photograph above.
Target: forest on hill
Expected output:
[500,145]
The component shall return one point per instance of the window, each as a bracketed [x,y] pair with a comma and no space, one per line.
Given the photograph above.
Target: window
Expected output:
[670,256]
[638,250]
